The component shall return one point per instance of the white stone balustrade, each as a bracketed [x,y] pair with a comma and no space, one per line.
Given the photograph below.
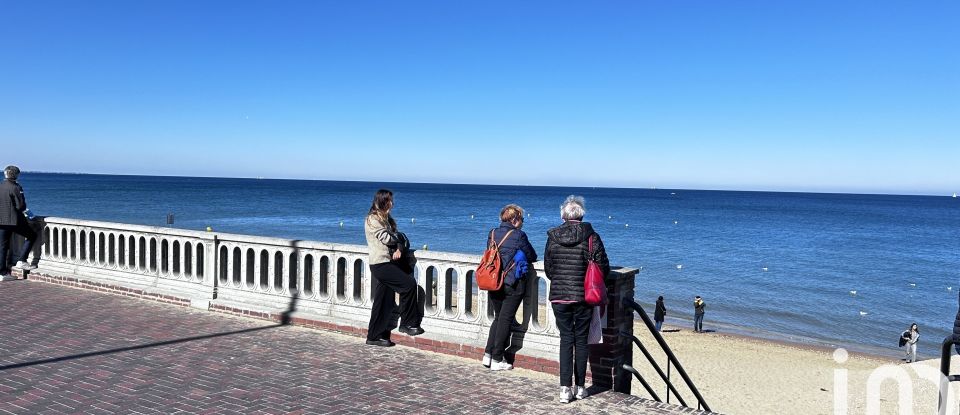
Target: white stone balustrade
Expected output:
[328,282]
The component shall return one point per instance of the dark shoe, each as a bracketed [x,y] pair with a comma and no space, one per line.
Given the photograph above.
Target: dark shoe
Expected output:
[411,331]
[380,342]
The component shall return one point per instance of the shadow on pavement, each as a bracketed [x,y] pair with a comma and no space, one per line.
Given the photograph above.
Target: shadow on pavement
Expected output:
[284,320]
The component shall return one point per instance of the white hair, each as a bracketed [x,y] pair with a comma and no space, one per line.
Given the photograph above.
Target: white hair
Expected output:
[11,172]
[572,208]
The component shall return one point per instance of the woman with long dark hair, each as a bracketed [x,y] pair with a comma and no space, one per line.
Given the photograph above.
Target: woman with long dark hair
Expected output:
[391,274]
[913,336]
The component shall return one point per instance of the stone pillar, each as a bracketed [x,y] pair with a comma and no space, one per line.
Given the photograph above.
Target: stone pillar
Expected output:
[606,357]
[210,266]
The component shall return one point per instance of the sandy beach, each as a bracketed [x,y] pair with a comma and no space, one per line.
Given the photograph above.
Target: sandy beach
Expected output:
[742,375]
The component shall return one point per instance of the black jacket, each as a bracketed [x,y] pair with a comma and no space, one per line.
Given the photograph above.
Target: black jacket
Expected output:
[660,312]
[12,203]
[515,242]
[956,329]
[699,309]
[565,259]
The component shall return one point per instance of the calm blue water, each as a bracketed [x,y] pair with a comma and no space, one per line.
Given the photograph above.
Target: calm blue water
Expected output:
[816,248]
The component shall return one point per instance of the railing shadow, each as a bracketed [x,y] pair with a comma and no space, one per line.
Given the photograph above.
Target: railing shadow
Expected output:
[284,320]
[518,329]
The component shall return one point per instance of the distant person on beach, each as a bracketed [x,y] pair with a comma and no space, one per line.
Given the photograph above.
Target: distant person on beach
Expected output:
[13,220]
[392,273]
[659,313]
[912,336]
[565,262]
[699,308]
[516,254]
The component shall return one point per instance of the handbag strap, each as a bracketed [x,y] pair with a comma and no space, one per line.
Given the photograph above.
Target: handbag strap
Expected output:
[502,240]
[590,247]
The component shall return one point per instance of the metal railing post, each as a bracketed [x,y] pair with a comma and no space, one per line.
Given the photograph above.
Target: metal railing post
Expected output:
[946,353]
[668,379]
[701,403]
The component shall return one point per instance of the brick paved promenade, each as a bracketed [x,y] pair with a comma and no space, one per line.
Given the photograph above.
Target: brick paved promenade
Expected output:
[65,350]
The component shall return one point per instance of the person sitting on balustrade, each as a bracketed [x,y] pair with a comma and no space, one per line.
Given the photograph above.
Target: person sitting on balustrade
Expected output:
[14,220]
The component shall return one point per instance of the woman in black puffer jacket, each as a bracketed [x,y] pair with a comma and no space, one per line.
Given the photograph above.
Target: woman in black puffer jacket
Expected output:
[565,262]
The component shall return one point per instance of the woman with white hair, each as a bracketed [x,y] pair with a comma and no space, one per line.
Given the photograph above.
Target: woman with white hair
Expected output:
[570,247]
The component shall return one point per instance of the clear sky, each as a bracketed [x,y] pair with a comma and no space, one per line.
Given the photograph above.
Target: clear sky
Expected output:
[838,96]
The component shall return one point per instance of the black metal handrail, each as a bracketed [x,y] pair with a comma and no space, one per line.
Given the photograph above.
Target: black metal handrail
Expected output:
[945,354]
[632,305]
[653,362]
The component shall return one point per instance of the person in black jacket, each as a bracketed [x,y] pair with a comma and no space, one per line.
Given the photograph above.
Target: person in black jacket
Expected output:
[956,327]
[699,309]
[505,301]
[13,220]
[565,262]
[660,313]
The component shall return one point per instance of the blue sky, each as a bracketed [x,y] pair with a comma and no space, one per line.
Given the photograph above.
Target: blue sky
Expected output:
[850,96]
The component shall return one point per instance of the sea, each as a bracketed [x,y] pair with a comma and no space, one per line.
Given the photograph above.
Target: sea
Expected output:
[830,270]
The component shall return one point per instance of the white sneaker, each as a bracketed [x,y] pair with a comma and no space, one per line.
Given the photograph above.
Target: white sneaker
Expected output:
[500,366]
[582,392]
[486,360]
[565,394]
[25,265]
[7,277]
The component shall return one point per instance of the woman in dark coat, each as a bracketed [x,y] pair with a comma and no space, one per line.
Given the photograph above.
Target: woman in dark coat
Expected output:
[506,301]
[660,313]
[565,262]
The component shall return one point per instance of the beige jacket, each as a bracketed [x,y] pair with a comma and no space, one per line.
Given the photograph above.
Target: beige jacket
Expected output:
[379,236]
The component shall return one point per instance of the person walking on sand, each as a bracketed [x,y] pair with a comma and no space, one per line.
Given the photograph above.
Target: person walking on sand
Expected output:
[516,254]
[391,273]
[698,310]
[13,220]
[660,313]
[914,337]
[565,262]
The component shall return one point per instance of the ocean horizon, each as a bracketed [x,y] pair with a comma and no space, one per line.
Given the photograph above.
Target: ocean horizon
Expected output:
[826,269]
[387,183]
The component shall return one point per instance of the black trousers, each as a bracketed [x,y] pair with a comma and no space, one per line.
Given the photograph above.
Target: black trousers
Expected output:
[6,231]
[573,321]
[504,302]
[388,280]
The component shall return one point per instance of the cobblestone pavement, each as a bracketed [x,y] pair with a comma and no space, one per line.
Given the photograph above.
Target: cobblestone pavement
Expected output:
[65,350]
